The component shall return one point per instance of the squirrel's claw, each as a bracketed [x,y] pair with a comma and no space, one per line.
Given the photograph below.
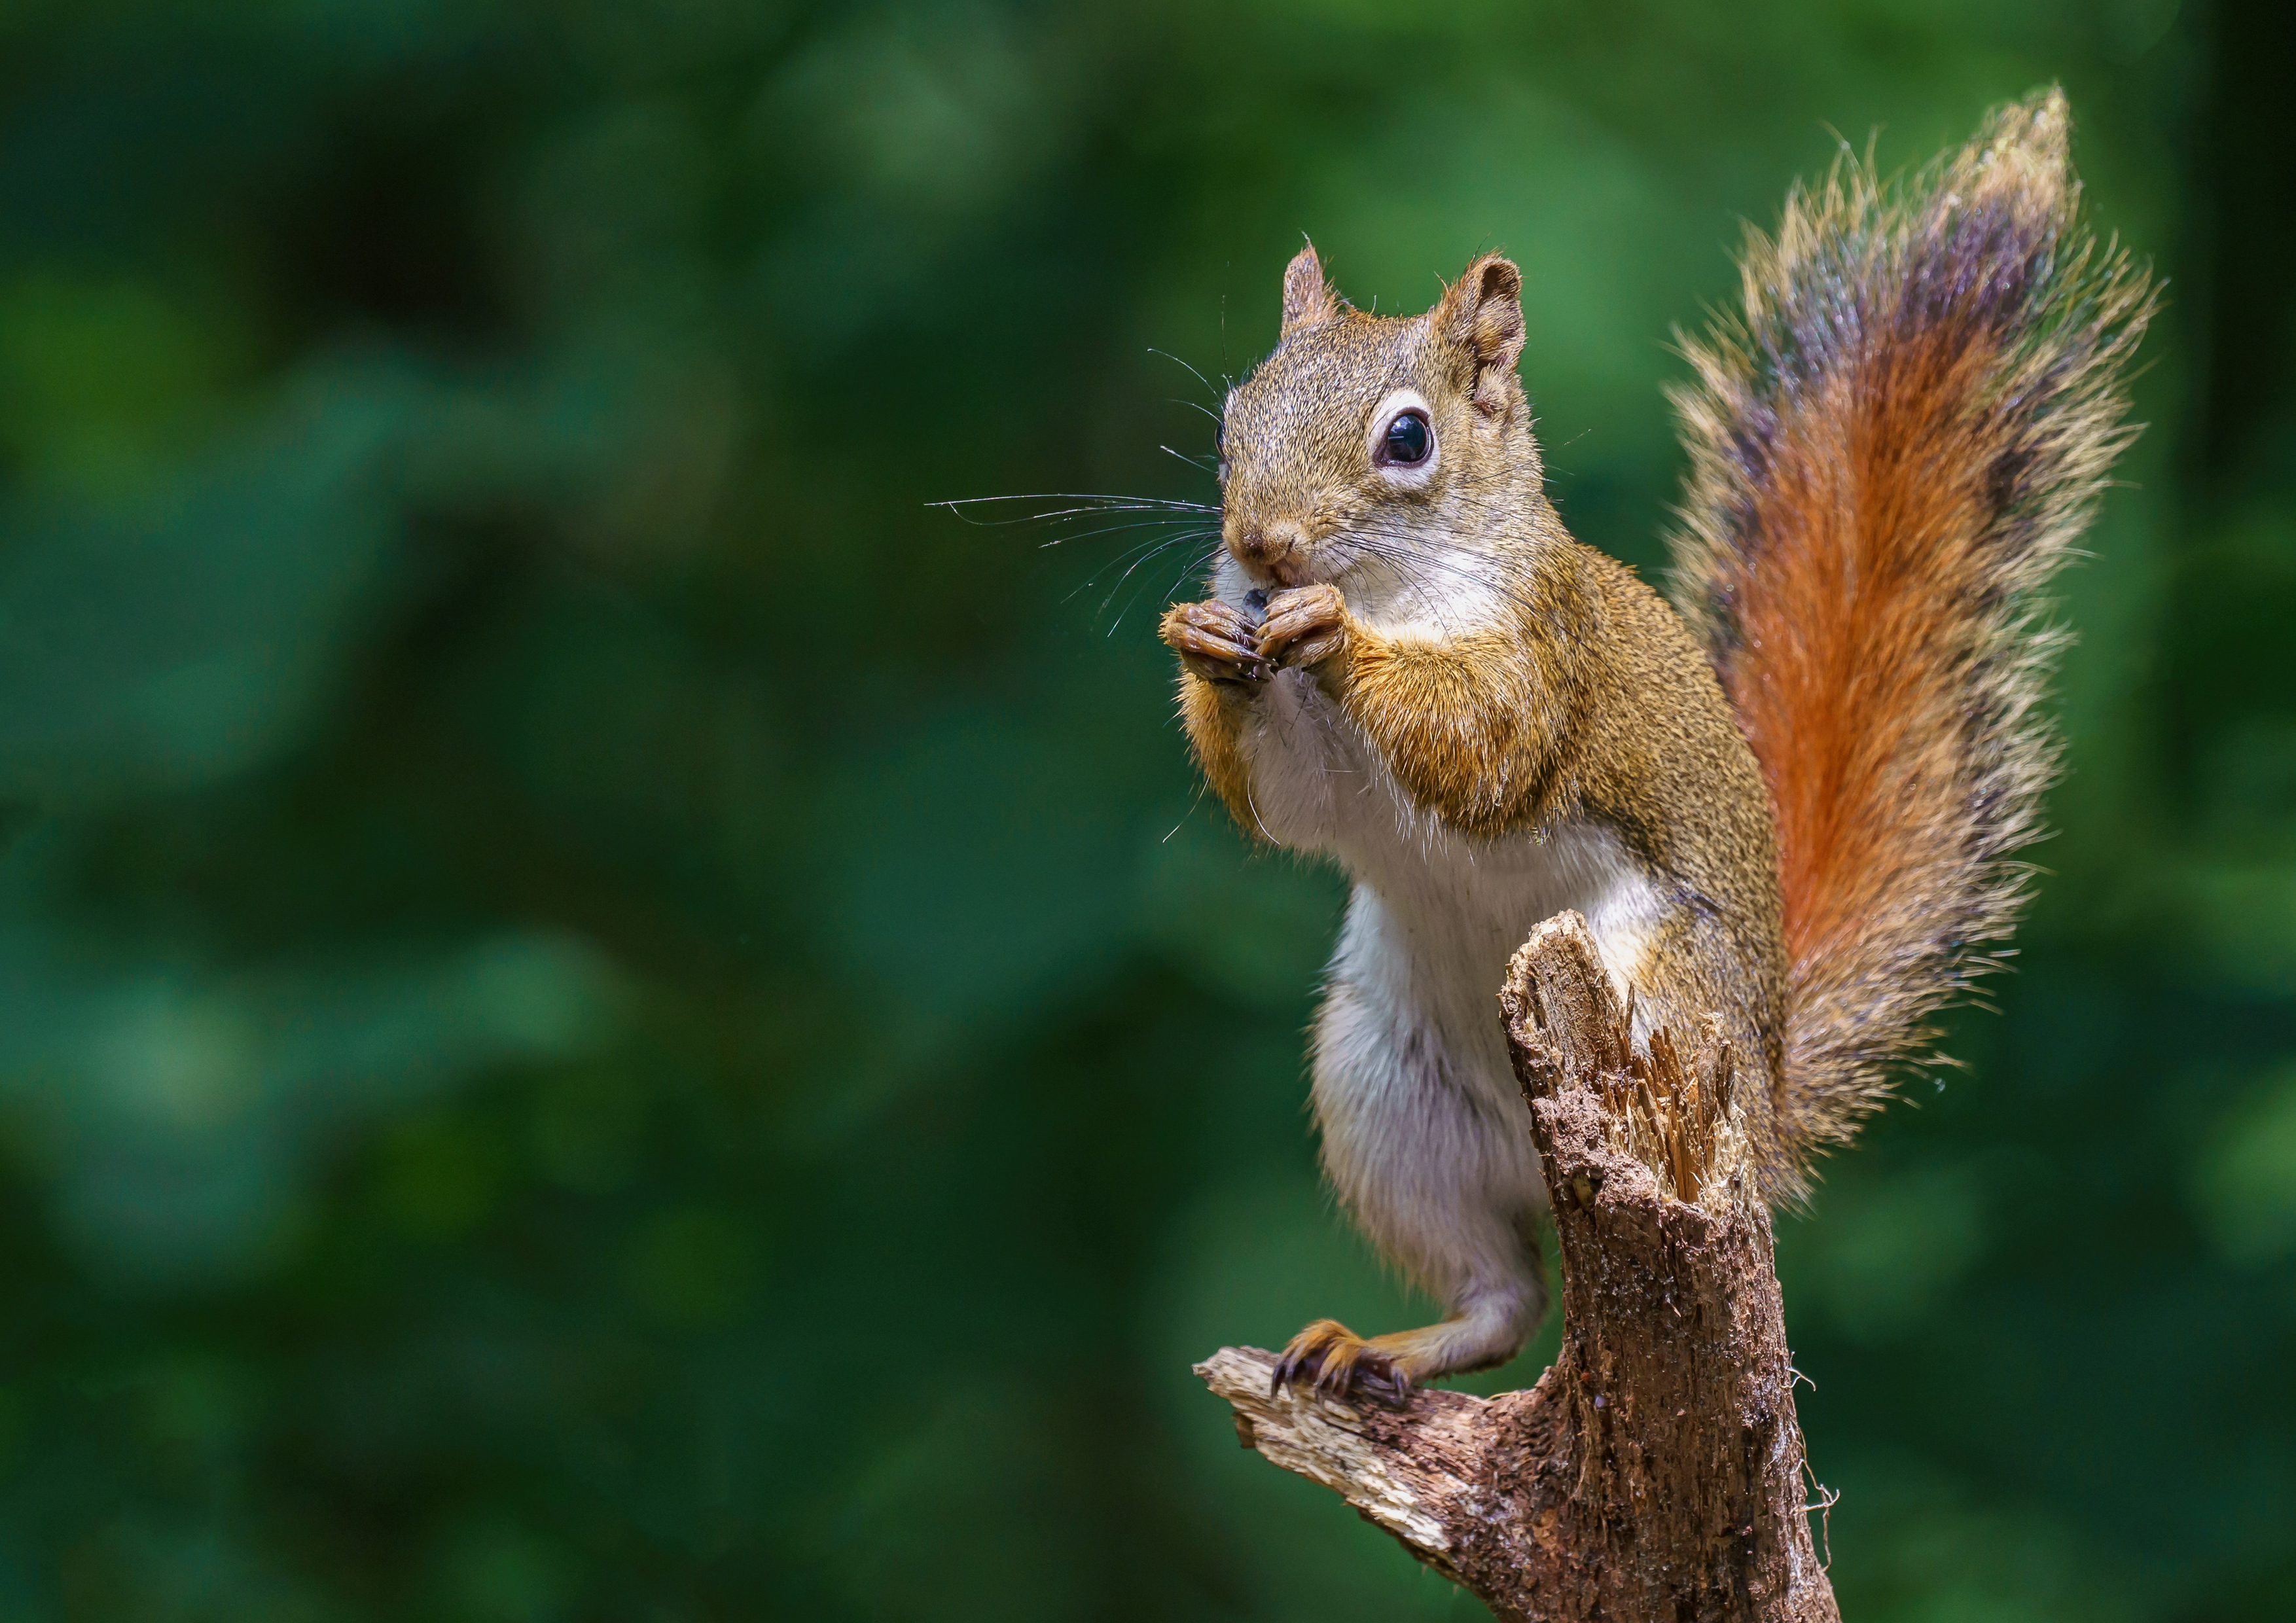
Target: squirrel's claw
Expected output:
[1214,641]
[1334,1362]
[1305,625]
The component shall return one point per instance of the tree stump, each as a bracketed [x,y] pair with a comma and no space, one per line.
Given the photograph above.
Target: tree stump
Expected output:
[1656,1471]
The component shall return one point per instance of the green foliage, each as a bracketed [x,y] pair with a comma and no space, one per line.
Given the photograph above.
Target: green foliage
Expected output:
[601,1014]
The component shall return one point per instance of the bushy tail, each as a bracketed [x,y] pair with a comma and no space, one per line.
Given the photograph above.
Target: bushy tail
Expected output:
[1891,452]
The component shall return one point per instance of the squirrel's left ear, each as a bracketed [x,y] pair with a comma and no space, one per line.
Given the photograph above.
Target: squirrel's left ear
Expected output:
[1482,314]
[1308,297]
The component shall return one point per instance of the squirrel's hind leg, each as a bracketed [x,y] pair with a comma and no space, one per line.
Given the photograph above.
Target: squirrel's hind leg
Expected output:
[1437,1166]
[1333,1359]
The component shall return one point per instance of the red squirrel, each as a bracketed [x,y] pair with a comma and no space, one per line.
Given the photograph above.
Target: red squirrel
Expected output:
[1787,800]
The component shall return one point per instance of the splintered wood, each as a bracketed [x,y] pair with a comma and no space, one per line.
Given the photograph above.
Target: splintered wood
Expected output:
[1675,1112]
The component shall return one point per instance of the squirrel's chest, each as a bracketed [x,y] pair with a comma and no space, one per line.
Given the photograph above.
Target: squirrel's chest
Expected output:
[1452,909]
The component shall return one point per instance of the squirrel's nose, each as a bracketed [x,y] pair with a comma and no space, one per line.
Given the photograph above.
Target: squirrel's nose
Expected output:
[1266,549]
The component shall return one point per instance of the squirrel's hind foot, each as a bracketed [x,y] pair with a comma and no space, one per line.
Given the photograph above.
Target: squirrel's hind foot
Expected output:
[1332,1361]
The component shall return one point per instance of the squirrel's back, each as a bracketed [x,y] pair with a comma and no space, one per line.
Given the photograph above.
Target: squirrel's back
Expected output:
[1892,449]
[1664,764]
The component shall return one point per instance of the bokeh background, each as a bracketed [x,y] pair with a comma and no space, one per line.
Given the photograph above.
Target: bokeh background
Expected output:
[603,1015]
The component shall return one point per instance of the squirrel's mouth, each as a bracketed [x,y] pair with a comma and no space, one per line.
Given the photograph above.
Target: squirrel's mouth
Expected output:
[1283,573]
[1274,560]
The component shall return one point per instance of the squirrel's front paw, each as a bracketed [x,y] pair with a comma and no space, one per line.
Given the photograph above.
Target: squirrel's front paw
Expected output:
[1333,1361]
[1305,625]
[1214,641]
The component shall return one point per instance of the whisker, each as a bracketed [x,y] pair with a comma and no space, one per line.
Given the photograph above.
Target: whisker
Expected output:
[1102,607]
[1167,542]
[1086,515]
[1199,565]
[1405,563]
[1065,495]
[1193,372]
[1142,552]
[1166,594]
[1110,529]
[1084,504]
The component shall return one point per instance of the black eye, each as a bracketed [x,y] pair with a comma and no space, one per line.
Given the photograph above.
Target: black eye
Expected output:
[1407,441]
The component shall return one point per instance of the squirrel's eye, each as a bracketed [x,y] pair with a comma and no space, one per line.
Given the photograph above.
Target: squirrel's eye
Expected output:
[1407,441]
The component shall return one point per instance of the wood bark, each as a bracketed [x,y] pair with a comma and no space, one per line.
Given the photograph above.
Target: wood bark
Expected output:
[1656,1471]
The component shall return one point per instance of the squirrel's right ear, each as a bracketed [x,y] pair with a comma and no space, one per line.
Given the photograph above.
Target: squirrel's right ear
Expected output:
[1307,298]
[1482,314]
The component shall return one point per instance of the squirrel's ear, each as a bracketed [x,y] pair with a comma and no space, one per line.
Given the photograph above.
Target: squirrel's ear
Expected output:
[1307,298]
[1482,314]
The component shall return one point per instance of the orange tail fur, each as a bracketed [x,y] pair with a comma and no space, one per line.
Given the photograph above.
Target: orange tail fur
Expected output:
[1891,451]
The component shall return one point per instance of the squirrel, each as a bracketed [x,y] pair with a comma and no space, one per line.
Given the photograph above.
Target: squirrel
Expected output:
[1787,801]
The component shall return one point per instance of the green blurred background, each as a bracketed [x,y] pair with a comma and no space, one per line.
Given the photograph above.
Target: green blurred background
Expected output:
[603,1016]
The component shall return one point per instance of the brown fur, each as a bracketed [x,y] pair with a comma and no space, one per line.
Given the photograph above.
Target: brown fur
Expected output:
[1212,717]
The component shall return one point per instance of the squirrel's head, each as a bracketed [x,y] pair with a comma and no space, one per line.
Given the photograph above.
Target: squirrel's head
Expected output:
[1362,437]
